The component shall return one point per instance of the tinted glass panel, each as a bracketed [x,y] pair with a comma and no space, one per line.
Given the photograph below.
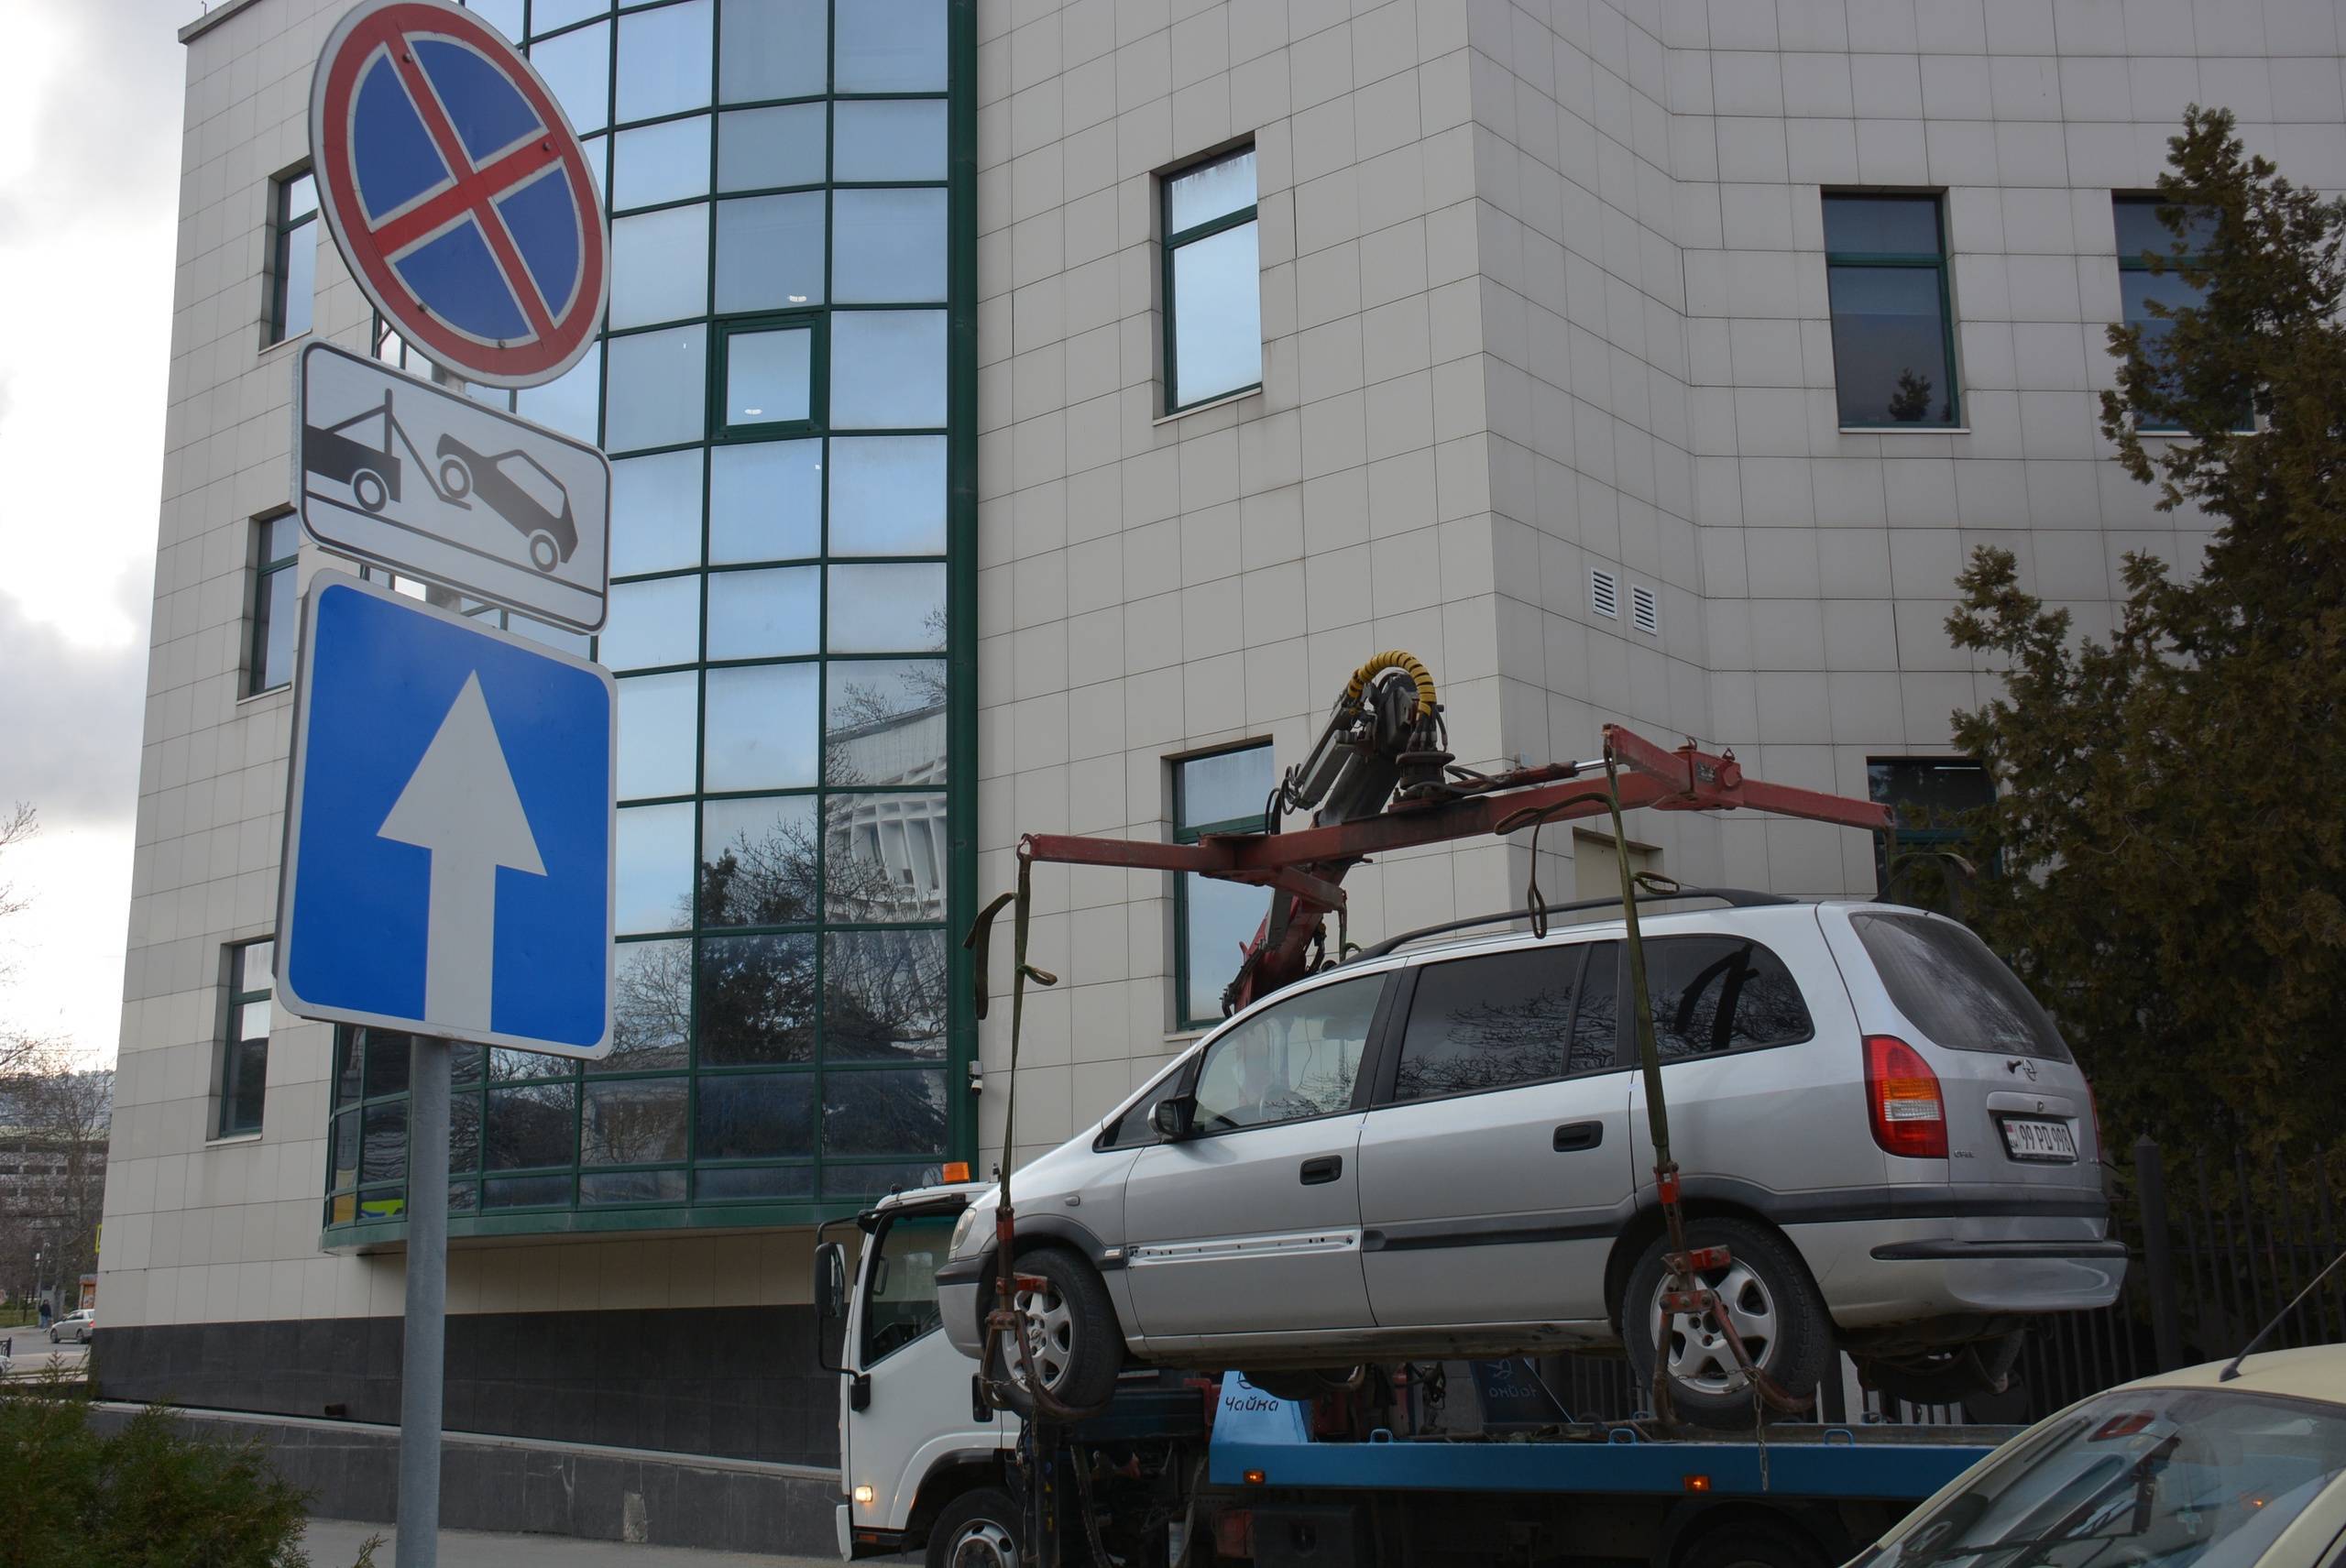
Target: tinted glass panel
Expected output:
[463,1135]
[884,856]
[757,1000]
[631,1186]
[769,253]
[2138,289]
[2139,229]
[1214,190]
[659,393]
[653,1017]
[884,996]
[655,623]
[279,612]
[300,197]
[1953,989]
[342,1157]
[761,728]
[891,45]
[867,1180]
[1223,787]
[515,1067]
[1721,993]
[1924,791]
[1297,1057]
[388,1053]
[888,371]
[655,512]
[891,141]
[888,246]
[886,610]
[756,1181]
[884,722]
[525,1192]
[660,266]
[758,149]
[655,868]
[762,615]
[888,495]
[665,162]
[1882,225]
[765,501]
[280,537]
[571,403]
[1890,361]
[578,67]
[773,48]
[883,1113]
[901,1305]
[1220,918]
[301,279]
[248,1076]
[383,1155]
[1217,315]
[664,59]
[758,861]
[656,738]
[756,1116]
[349,1059]
[530,1125]
[1486,1022]
[767,377]
[639,1122]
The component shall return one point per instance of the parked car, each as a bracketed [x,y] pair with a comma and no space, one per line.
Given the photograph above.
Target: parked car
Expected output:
[77,1327]
[1442,1151]
[2184,1467]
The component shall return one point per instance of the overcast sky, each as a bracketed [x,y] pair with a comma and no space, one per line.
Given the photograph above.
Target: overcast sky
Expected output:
[89,157]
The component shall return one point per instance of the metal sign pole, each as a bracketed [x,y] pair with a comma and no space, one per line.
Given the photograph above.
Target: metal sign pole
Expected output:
[423,1344]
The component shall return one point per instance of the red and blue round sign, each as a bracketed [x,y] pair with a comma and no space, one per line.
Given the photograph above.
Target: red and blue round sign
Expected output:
[457,192]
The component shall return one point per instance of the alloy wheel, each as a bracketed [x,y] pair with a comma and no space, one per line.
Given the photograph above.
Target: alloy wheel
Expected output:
[1697,1352]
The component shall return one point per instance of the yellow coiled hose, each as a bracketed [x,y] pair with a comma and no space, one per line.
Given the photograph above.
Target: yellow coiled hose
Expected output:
[1393,659]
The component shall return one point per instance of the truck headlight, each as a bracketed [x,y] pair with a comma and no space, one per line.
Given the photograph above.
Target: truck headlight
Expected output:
[961,1228]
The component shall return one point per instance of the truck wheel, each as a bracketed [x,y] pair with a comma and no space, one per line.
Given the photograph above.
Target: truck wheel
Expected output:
[977,1530]
[1750,1542]
[1767,1294]
[366,488]
[1079,1346]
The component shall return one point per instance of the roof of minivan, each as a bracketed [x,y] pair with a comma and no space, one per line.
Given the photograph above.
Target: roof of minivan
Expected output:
[1663,921]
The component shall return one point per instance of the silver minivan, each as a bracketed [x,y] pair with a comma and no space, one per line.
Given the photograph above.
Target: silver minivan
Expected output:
[1444,1152]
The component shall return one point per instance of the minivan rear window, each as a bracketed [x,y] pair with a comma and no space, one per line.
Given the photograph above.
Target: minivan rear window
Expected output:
[1955,990]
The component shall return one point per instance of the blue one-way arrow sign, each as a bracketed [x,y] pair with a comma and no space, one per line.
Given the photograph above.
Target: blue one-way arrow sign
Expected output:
[448,839]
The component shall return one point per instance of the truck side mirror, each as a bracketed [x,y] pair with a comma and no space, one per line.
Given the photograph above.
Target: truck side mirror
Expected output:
[830,1281]
[1173,1116]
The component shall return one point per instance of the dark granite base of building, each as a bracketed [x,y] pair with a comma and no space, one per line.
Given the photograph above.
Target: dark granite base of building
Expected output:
[722,1382]
[351,1472]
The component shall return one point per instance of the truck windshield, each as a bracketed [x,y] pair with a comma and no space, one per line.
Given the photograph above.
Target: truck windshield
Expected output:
[2173,1476]
[900,1285]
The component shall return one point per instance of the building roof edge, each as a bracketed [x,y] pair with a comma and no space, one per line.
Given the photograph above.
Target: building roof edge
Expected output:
[218,13]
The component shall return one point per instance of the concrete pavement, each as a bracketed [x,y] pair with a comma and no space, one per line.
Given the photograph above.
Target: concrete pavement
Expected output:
[334,1543]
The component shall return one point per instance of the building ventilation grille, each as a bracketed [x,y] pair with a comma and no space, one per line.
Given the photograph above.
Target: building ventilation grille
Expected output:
[1645,614]
[1604,593]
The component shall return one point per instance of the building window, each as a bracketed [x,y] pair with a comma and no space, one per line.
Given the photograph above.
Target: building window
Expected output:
[768,375]
[293,255]
[269,661]
[2140,235]
[243,1053]
[1214,287]
[1928,796]
[1894,332]
[1221,791]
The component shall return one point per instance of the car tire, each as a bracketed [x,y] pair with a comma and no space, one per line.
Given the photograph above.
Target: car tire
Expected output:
[1751,1541]
[1080,1342]
[1773,1302]
[1957,1375]
[52,1336]
[977,1530]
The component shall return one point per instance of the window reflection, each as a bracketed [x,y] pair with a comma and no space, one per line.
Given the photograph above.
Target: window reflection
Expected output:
[658,163]
[654,873]
[639,1122]
[760,1182]
[658,388]
[887,371]
[887,610]
[529,1125]
[884,996]
[577,69]
[651,1016]
[890,45]
[664,59]
[571,401]
[766,614]
[900,1112]
[765,501]
[761,728]
[656,739]
[383,1155]
[756,1116]
[768,377]
[651,623]
[1218,314]
[757,1000]
[888,246]
[892,141]
[768,252]
[888,495]
[659,267]
[655,512]
[759,150]
[884,722]
[773,48]
[884,856]
[759,861]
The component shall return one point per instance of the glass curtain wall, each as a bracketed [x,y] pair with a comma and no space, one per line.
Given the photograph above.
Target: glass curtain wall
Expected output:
[773,388]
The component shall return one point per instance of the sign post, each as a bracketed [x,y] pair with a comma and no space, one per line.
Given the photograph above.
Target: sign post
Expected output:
[475,904]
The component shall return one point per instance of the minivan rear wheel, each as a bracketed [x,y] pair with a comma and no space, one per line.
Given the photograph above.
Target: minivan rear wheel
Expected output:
[1767,1294]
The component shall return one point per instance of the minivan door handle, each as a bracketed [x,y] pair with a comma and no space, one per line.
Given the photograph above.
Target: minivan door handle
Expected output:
[1325,1169]
[1576,1135]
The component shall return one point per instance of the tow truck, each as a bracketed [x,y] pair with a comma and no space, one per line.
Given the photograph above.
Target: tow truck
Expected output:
[977,1467]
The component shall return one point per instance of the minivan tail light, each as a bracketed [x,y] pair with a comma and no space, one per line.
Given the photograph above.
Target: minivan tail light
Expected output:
[1902,1100]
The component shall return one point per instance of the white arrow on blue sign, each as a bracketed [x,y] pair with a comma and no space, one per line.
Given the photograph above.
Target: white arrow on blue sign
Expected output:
[449,828]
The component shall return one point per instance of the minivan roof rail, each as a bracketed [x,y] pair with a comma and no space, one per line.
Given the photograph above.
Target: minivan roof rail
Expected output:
[1733,897]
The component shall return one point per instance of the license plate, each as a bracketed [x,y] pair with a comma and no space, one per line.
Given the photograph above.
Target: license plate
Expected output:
[2051,1142]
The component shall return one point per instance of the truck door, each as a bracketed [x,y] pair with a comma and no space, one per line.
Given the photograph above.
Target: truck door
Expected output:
[1495,1165]
[1252,1224]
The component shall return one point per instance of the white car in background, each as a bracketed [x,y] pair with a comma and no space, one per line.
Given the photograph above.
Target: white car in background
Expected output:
[77,1327]
[1442,1152]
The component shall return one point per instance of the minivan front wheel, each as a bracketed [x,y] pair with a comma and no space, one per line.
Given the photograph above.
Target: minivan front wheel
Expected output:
[1764,1291]
[1072,1330]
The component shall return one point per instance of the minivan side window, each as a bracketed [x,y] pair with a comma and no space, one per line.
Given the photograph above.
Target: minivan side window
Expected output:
[1721,993]
[1296,1058]
[1502,1019]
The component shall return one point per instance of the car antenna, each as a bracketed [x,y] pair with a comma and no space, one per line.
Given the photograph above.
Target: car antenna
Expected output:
[2233,1369]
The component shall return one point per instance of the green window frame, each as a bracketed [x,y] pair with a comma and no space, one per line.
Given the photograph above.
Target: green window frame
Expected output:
[292,254]
[729,331]
[1191,968]
[1216,216]
[1925,793]
[1878,265]
[268,649]
[243,1038]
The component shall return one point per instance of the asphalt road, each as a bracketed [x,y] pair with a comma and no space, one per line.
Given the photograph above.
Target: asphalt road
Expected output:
[334,1543]
[29,1351]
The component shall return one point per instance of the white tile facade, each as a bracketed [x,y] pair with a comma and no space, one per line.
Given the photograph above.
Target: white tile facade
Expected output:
[1543,291]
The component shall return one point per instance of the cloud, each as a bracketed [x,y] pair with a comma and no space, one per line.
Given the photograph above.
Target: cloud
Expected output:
[71,717]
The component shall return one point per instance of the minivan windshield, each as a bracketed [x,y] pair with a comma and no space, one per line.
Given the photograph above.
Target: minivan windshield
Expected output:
[1954,989]
[2202,1476]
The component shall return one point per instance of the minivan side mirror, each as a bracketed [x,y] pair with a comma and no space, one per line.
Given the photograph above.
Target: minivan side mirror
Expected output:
[1173,1115]
[830,1281]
